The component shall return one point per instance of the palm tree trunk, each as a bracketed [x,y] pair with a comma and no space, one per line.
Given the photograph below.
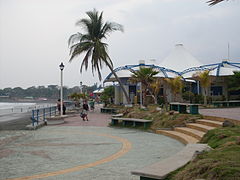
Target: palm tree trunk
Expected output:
[120,83]
[153,96]
[144,97]
[205,97]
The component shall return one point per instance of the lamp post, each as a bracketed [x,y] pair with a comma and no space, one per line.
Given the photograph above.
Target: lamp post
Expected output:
[81,87]
[61,91]
[140,94]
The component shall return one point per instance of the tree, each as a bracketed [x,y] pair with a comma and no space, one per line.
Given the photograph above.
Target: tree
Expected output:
[107,95]
[155,86]
[234,82]
[91,43]
[205,82]
[145,76]
[176,85]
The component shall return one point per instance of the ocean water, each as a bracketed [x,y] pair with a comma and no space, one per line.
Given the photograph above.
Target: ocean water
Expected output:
[8,108]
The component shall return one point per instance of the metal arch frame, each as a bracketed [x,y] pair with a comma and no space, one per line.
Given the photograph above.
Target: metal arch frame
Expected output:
[130,67]
[211,67]
[193,69]
[165,70]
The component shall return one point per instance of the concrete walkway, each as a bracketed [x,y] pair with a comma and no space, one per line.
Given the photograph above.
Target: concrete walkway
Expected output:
[231,113]
[88,150]
[81,150]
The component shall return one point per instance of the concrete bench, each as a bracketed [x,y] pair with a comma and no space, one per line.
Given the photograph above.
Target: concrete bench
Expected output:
[108,110]
[117,115]
[182,107]
[133,121]
[161,169]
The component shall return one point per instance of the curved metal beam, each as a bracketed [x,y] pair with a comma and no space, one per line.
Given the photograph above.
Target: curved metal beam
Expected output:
[165,70]
[129,67]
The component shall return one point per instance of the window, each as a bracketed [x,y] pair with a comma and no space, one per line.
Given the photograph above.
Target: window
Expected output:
[216,90]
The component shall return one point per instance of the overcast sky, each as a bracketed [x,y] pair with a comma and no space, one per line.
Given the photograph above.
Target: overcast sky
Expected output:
[34,35]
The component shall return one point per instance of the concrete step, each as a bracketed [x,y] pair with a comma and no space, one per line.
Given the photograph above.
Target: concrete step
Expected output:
[199,127]
[209,122]
[213,118]
[191,132]
[221,119]
[185,139]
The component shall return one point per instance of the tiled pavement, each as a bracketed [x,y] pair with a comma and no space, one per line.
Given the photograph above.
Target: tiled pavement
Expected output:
[81,150]
[88,150]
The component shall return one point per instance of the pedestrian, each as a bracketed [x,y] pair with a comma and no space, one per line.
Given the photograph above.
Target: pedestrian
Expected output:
[84,113]
[64,109]
[59,107]
[91,103]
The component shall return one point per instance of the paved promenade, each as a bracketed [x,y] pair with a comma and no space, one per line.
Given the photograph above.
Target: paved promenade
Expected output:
[81,150]
[231,113]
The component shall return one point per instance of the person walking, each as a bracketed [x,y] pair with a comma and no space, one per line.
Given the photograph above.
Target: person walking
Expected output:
[84,113]
[59,107]
[91,103]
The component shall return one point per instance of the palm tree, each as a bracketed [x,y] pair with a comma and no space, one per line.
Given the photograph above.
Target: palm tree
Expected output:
[214,2]
[176,85]
[91,43]
[205,82]
[155,86]
[145,76]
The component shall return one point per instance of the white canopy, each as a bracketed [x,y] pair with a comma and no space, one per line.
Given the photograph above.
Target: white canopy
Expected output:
[180,59]
[223,71]
[98,91]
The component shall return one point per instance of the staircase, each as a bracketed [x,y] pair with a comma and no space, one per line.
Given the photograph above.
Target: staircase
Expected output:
[193,132]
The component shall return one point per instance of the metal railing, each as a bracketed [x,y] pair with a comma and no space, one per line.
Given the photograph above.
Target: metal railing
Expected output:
[43,113]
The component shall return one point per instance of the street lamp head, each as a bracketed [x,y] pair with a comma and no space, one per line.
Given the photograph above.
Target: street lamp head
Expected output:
[81,83]
[61,66]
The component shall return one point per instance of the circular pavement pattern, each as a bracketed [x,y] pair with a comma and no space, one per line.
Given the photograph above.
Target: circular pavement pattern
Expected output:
[81,152]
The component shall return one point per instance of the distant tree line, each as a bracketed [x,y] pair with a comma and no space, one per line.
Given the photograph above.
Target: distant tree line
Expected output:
[49,92]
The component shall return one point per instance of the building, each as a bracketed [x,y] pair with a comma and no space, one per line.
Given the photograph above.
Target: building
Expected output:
[179,63]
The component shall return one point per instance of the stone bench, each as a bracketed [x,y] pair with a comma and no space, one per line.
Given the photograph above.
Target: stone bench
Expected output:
[182,107]
[108,110]
[133,121]
[162,168]
[117,115]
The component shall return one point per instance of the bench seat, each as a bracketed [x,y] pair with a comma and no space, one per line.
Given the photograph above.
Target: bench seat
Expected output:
[108,110]
[115,120]
[162,168]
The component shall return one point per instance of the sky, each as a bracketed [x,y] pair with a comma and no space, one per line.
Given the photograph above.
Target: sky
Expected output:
[34,36]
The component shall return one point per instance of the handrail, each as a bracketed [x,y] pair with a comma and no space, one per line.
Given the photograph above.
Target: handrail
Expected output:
[42,114]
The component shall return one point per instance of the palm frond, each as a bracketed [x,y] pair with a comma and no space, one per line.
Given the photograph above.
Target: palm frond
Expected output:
[203,77]
[85,60]
[214,2]
[110,27]
[74,38]
[79,48]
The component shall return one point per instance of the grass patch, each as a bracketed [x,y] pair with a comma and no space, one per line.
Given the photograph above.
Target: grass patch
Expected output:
[223,162]
[161,118]
[222,136]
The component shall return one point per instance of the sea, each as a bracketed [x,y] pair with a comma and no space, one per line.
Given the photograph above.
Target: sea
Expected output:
[11,110]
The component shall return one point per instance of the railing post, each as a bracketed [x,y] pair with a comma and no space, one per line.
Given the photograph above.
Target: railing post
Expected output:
[55,110]
[44,114]
[33,118]
[50,112]
[37,115]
